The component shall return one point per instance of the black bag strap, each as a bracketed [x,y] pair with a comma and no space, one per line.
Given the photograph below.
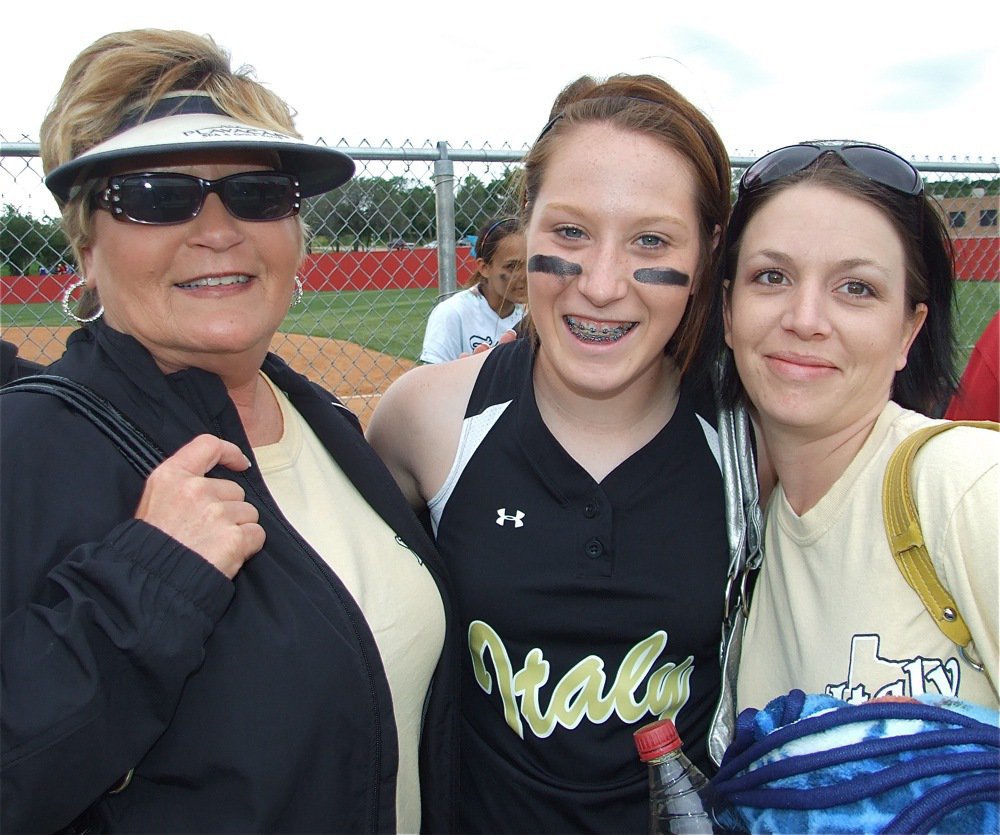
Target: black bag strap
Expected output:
[137,447]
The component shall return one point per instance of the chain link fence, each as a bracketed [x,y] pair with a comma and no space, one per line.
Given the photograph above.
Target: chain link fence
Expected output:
[388,245]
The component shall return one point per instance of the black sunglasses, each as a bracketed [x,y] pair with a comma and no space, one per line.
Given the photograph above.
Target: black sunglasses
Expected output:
[162,198]
[872,161]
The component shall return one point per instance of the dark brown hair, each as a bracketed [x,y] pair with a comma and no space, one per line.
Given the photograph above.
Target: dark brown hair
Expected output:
[491,234]
[929,377]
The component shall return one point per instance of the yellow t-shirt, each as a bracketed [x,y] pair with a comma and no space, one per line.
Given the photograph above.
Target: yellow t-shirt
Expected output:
[394,589]
[831,611]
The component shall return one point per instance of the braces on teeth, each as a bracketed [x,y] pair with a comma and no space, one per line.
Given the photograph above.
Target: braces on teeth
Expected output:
[593,333]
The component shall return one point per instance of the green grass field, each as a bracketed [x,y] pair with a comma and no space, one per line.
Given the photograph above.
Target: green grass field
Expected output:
[976,302]
[392,321]
[389,321]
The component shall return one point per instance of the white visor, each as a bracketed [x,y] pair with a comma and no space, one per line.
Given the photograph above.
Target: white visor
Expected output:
[178,123]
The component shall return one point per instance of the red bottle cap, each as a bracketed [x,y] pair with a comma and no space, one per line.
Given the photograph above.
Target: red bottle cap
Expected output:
[656,739]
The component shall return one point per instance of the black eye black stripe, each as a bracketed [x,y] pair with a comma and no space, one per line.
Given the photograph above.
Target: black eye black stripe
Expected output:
[553,265]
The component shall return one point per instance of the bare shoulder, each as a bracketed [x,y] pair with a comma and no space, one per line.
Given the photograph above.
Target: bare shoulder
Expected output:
[417,423]
[430,392]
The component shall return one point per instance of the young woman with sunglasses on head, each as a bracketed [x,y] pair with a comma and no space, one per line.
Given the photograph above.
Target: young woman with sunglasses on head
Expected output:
[571,475]
[491,306]
[837,297]
[244,641]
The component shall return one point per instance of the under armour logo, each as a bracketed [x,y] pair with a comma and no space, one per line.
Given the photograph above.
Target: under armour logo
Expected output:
[517,518]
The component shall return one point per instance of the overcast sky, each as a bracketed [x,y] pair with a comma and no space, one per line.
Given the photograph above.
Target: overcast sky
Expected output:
[918,77]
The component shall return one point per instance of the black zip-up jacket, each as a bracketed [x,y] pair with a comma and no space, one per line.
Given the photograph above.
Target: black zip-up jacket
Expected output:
[12,366]
[252,705]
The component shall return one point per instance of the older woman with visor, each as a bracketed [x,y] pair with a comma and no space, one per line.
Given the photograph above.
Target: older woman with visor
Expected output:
[248,636]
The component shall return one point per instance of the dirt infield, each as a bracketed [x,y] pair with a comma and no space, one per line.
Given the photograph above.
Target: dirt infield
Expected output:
[357,376]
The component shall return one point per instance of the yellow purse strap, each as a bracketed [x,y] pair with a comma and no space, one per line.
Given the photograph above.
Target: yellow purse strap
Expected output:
[906,540]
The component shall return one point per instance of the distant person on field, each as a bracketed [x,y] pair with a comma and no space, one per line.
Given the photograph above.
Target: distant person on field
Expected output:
[978,395]
[494,303]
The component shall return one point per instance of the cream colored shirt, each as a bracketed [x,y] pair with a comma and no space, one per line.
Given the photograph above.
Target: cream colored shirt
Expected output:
[831,611]
[395,591]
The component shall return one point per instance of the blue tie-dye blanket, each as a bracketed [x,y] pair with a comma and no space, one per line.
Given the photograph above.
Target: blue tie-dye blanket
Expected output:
[817,764]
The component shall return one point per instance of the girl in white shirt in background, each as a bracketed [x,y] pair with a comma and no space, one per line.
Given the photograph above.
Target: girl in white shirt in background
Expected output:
[493,305]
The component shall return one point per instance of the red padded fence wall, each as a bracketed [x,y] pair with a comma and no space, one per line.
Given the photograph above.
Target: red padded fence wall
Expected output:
[976,259]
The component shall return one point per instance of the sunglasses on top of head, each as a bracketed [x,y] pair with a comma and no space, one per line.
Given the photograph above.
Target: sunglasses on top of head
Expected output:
[872,161]
[162,198]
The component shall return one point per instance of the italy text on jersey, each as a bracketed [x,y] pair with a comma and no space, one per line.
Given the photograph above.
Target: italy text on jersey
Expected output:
[584,691]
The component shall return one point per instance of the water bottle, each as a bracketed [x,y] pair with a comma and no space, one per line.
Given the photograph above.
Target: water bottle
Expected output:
[680,796]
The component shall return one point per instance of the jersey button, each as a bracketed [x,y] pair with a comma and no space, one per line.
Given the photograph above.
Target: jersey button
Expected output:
[592,509]
[594,549]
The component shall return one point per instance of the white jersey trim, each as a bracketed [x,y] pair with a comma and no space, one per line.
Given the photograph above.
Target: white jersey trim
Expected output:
[474,431]
[712,438]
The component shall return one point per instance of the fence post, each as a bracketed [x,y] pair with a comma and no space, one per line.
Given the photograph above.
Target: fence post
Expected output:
[444,203]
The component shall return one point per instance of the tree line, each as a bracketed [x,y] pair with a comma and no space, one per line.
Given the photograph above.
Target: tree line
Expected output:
[373,211]
[30,245]
[366,212]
